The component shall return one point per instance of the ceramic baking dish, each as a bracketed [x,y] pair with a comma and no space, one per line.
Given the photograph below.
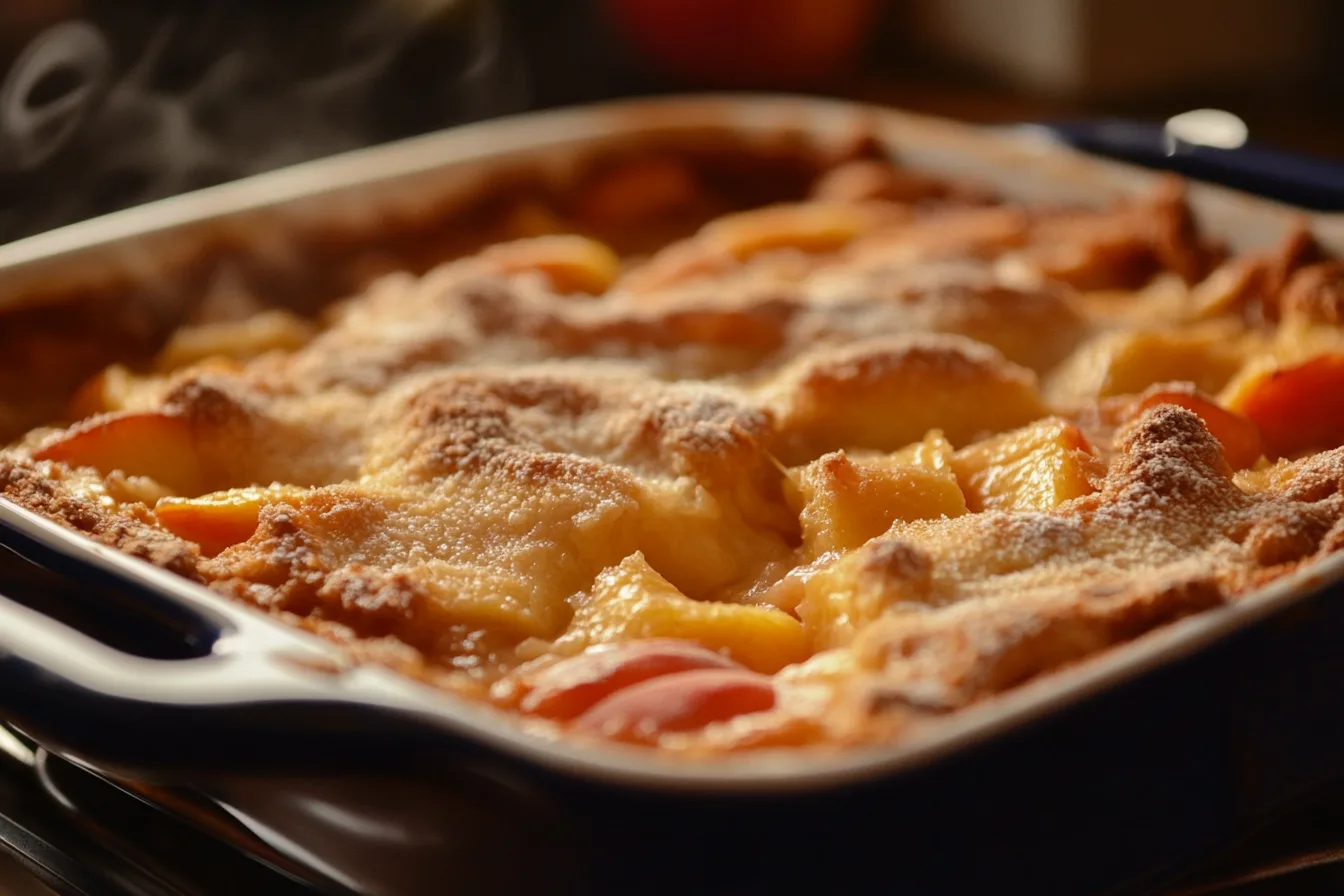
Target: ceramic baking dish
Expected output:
[1108,776]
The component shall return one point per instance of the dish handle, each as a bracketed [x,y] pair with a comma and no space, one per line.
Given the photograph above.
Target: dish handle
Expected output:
[235,710]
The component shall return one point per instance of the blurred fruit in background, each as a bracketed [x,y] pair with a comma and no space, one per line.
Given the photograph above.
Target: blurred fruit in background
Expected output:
[746,43]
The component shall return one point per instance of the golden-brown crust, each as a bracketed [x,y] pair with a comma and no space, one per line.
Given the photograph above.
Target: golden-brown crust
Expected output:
[130,528]
[1315,293]
[942,661]
[772,436]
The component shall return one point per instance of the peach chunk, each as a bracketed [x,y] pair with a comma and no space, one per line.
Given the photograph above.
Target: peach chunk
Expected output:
[1297,408]
[531,218]
[220,519]
[1239,436]
[1128,363]
[1037,467]
[845,503]
[891,391]
[117,388]
[218,343]
[631,601]
[566,689]
[572,264]
[805,226]
[933,452]
[842,599]
[108,390]
[687,701]
[138,443]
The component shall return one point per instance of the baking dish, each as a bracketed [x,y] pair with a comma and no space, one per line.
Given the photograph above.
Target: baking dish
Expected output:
[1299,180]
[1160,755]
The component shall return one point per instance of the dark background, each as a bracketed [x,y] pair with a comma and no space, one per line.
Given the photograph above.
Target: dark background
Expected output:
[108,103]
[578,54]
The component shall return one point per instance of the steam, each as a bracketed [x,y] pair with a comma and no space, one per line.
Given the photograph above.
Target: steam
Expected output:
[80,141]
[34,127]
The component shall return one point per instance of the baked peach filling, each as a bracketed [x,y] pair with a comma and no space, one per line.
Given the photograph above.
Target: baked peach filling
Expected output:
[813,475]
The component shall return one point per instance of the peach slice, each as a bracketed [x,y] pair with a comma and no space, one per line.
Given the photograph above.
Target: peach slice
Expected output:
[1297,408]
[570,687]
[153,444]
[686,701]
[223,345]
[572,264]
[805,226]
[107,390]
[221,519]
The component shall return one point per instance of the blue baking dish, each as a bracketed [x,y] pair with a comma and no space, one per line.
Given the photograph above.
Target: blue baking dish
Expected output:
[1241,164]
[1110,777]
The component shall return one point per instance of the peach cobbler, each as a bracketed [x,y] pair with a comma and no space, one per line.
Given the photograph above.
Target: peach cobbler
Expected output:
[810,473]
